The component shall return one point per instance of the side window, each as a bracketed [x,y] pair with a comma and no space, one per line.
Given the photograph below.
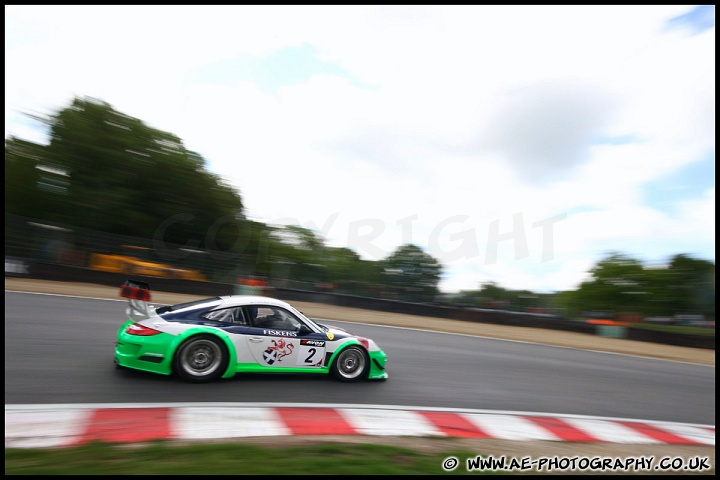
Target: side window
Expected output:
[274,318]
[240,317]
[227,315]
[289,319]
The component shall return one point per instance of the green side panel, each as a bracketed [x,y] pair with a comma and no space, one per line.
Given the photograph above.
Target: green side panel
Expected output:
[378,360]
[155,353]
[148,353]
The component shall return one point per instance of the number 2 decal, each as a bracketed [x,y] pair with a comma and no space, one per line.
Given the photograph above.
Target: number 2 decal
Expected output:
[310,356]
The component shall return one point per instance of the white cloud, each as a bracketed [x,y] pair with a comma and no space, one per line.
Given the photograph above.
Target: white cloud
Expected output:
[440,125]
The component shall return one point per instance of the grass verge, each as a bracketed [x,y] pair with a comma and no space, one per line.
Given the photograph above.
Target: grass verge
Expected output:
[163,458]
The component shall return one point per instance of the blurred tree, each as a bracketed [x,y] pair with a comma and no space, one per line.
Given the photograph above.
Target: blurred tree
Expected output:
[622,284]
[493,296]
[351,274]
[412,274]
[689,285]
[296,253]
[564,304]
[303,239]
[299,254]
[618,283]
[342,264]
[487,295]
[33,188]
[124,177]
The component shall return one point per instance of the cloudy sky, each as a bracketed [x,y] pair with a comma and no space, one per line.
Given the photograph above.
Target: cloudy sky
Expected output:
[516,144]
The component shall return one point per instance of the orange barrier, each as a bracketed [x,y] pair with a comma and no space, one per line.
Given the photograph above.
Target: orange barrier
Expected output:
[611,323]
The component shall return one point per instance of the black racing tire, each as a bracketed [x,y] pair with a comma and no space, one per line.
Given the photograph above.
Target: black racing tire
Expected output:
[352,364]
[201,359]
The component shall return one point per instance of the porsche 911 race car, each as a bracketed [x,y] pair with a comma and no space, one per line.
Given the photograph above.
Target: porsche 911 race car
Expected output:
[218,337]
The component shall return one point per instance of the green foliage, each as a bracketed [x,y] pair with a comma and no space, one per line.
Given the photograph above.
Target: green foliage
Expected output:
[32,184]
[619,283]
[106,171]
[412,274]
[616,283]
[493,296]
[300,255]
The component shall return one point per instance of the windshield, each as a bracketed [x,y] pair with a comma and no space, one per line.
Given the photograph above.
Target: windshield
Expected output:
[309,321]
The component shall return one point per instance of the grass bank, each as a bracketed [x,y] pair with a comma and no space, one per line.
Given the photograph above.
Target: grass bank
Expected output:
[163,458]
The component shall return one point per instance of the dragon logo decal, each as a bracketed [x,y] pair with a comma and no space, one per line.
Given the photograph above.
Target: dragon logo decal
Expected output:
[277,351]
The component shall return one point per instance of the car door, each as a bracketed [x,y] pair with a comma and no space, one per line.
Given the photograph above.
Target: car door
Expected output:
[277,340]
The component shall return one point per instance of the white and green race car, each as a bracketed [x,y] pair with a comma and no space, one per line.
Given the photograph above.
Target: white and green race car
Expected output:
[218,337]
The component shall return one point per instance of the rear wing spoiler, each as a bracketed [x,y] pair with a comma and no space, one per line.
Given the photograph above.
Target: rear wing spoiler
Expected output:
[138,295]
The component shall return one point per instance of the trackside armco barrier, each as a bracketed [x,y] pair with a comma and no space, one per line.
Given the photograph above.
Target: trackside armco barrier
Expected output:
[42,426]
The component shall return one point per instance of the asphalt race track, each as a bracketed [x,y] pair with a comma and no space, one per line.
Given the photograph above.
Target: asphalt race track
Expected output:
[59,349]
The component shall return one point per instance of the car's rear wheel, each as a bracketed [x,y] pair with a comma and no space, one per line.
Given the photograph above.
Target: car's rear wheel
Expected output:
[351,365]
[200,359]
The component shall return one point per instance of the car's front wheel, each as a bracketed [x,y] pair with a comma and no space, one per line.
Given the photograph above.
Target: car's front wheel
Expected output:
[200,359]
[351,364]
